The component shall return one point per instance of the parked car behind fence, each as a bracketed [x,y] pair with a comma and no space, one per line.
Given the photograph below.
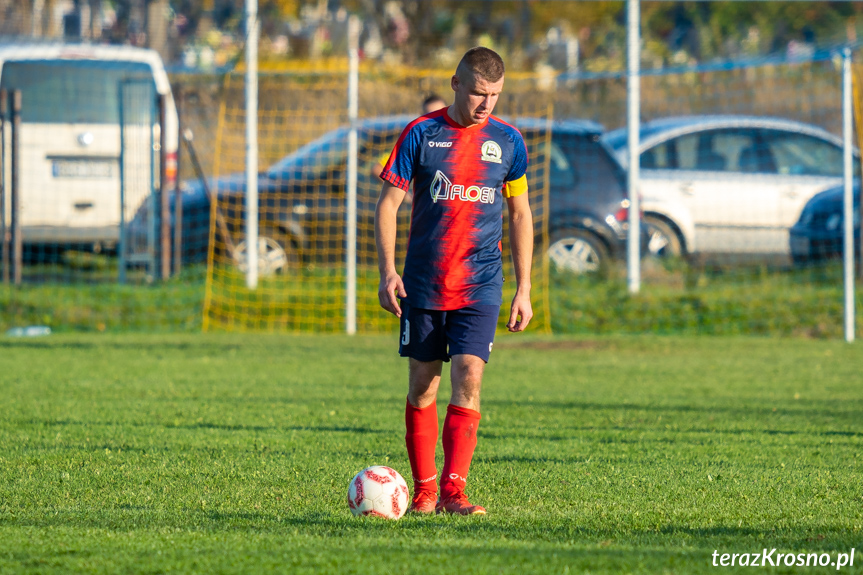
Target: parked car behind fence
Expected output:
[89,142]
[729,184]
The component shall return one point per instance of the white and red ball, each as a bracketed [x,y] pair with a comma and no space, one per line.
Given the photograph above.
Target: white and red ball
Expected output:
[379,491]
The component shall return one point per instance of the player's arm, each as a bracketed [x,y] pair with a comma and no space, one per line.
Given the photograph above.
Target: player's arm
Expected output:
[521,242]
[386,213]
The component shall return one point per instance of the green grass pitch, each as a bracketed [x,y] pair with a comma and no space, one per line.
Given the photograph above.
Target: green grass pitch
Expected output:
[233,453]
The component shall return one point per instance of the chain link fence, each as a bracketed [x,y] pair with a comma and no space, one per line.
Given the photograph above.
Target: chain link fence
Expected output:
[302,243]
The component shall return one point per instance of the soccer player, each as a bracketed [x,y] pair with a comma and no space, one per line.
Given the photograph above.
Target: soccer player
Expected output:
[464,163]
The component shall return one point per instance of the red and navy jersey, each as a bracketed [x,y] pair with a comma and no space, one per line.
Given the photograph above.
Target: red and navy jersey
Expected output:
[461,176]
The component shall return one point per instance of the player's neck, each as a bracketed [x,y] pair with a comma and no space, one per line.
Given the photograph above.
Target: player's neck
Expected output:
[452,112]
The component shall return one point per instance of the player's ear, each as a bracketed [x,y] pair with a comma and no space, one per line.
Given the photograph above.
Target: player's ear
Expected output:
[454,83]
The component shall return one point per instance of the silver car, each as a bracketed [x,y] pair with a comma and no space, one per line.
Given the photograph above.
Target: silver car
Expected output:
[729,184]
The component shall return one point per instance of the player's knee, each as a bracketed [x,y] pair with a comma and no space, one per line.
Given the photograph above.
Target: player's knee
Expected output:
[422,399]
[419,387]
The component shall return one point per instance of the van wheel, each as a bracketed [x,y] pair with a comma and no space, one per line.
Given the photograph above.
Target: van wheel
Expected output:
[276,253]
[662,240]
[577,251]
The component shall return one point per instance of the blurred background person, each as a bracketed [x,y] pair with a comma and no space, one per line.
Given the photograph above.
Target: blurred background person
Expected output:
[432,103]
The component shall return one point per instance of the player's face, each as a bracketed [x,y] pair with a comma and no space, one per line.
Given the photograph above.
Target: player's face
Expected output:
[475,98]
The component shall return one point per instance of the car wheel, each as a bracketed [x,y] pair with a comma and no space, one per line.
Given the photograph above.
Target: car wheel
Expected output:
[577,251]
[662,239]
[276,253]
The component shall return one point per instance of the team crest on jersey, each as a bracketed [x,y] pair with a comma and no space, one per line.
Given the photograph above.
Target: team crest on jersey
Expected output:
[491,152]
[443,189]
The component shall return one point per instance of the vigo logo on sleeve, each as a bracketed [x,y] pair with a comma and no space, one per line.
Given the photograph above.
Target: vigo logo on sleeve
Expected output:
[443,189]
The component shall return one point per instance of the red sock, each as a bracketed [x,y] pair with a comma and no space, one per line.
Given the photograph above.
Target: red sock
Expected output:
[459,442]
[421,439]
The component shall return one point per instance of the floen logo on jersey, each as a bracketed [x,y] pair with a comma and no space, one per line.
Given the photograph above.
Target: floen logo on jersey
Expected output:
[491,152]
[440,144]
[443,189]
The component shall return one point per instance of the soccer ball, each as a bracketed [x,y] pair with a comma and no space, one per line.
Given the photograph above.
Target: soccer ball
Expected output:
[378,491]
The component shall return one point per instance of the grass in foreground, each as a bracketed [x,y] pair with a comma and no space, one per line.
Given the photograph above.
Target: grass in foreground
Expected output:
[233,454]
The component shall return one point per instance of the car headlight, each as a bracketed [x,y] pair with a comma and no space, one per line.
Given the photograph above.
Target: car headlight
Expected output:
[833,222]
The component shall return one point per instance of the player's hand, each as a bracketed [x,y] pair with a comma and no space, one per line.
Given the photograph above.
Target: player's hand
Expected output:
[520,313]
[391,286]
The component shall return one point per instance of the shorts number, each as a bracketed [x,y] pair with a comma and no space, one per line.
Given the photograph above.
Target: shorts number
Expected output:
[406,336]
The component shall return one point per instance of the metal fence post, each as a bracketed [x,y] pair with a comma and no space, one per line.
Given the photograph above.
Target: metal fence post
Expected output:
[121,243]
[164,195]
[178,195]
[633,95]
[353,106]
[15,181]
[252,143]
[152,200]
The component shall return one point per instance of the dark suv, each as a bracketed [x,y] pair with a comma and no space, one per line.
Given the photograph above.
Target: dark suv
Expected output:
[588,205]
[302,198]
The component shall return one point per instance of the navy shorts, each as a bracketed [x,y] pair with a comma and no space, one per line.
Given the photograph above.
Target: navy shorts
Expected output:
[429,335]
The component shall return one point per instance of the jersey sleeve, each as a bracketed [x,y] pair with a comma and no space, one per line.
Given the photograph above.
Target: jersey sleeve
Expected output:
[400,167]
[515,183]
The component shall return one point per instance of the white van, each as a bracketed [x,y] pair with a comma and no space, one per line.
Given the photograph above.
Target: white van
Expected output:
[70,138]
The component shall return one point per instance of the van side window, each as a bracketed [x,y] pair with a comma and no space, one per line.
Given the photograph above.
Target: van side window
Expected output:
[81,92]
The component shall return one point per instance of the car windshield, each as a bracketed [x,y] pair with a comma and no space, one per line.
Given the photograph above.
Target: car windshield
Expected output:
[317,157]
[72,91]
